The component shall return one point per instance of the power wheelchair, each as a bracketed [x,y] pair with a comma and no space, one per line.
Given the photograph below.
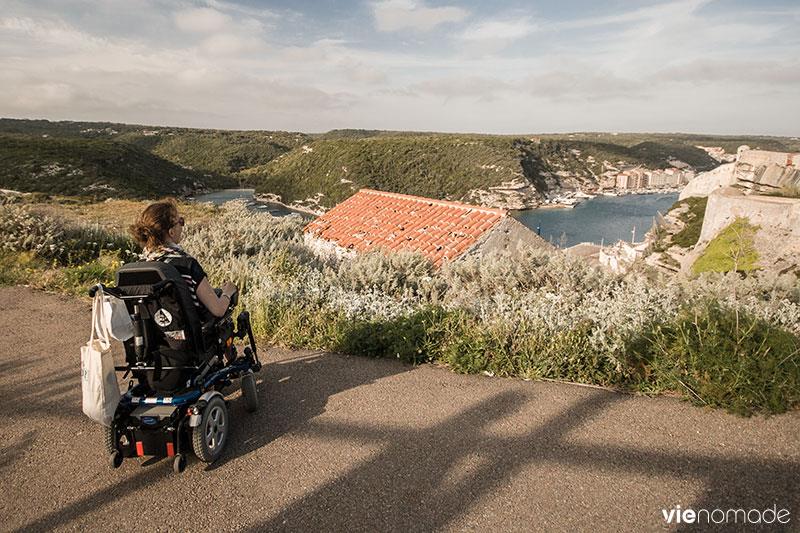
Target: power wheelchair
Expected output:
[177,370]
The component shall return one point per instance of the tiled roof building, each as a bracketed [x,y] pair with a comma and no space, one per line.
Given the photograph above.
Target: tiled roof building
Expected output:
[438,229]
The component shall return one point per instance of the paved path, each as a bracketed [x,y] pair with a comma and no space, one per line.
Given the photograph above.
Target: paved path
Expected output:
[355,444]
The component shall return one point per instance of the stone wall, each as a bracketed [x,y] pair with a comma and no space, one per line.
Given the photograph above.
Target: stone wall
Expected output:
[777,215]
[707,182]
[765,158]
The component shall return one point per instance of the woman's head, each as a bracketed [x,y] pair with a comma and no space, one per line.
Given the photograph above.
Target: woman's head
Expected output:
[159,224]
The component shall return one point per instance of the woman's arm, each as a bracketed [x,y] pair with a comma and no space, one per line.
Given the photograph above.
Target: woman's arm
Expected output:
[217,305]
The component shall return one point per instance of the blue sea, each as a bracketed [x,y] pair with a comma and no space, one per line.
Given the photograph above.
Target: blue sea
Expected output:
[601,219]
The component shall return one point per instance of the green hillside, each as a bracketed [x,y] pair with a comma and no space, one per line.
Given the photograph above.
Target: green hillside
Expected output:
[729,142]
[438,167]
[449,166]
[152,160]
[211,151]
[225,152]
[93,167]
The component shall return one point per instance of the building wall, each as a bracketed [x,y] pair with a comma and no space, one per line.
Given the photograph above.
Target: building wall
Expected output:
[507,237]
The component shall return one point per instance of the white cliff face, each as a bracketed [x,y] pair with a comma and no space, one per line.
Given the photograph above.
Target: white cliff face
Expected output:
[707,182]
[756,170]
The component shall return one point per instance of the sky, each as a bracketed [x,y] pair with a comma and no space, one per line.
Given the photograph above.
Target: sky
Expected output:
[506,66]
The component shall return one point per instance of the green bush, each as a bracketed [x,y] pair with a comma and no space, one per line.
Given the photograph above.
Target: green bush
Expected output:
[544,315]
[693,220]
[732,250]
[720,357]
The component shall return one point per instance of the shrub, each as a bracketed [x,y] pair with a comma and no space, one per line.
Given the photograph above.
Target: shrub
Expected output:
[692,219]
[732,250]
[59,242]
[723,357]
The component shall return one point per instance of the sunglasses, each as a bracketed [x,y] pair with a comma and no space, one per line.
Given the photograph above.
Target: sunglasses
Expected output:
[180,222]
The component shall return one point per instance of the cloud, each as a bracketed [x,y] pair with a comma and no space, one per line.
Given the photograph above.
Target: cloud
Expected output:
[228,44]
[202,20]
[360,72]
[584,83]
[480,88]
[663,11]
[675,64]
[49,32]
[739,71]
[394,15]
[498,30]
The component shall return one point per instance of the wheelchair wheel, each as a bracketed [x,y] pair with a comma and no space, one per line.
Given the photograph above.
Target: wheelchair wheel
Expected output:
[210,437]
[179,463]
[249,392]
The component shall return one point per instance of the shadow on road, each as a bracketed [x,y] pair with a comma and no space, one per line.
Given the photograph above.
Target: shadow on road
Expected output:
[293,391]
[417,482]
[424,478]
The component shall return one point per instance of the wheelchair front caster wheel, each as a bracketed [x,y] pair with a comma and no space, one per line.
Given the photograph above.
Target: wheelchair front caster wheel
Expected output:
[115,459]
[249,392]
[179,463]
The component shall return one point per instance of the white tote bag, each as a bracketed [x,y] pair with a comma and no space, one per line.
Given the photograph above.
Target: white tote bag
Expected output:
[117,319]
[98,379]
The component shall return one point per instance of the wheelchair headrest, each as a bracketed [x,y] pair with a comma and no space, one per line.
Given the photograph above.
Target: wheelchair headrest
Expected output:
[146,274]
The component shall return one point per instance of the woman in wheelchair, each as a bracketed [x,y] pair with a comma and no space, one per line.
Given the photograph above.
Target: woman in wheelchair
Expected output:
[174,400]
[159,231]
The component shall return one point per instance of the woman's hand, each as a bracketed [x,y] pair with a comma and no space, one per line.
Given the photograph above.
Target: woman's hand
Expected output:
[217,305]
[228,289]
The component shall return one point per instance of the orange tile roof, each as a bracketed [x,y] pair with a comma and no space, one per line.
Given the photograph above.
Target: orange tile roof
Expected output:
[375,219]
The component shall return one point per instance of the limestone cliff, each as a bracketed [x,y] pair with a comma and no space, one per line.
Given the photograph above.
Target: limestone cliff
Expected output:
[754,171]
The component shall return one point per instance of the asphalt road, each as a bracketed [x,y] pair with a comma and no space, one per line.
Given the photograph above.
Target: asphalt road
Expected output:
[355,444]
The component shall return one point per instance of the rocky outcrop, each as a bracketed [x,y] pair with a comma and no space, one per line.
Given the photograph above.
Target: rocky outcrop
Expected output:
[707,182]
[753,171]
[516,194]
[762,171]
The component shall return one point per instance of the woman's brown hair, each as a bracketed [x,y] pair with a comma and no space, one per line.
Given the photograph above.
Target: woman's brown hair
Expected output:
[151,230]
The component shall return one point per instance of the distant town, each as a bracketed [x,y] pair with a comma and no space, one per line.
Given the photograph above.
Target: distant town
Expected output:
[620,178]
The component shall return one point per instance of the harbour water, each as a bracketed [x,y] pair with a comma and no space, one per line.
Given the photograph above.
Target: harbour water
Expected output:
[601,219]
[227,195]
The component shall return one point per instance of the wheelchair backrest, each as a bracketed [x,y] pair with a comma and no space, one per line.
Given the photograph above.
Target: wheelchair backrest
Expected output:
[169,316]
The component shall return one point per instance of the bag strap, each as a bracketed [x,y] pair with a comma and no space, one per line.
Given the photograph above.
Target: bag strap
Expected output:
[99,324]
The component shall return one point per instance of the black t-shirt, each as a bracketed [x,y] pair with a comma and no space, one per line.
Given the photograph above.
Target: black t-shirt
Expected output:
[186,265]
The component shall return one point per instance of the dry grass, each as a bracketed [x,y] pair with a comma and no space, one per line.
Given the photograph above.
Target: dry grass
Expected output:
[116,215]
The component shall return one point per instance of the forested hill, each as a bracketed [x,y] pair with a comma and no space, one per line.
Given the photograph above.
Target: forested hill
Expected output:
[95,167]
[456,167]
[109,159]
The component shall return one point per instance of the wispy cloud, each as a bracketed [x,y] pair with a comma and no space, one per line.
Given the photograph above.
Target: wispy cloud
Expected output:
[491,36]
[493,30]
[202,20]
[395,15]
